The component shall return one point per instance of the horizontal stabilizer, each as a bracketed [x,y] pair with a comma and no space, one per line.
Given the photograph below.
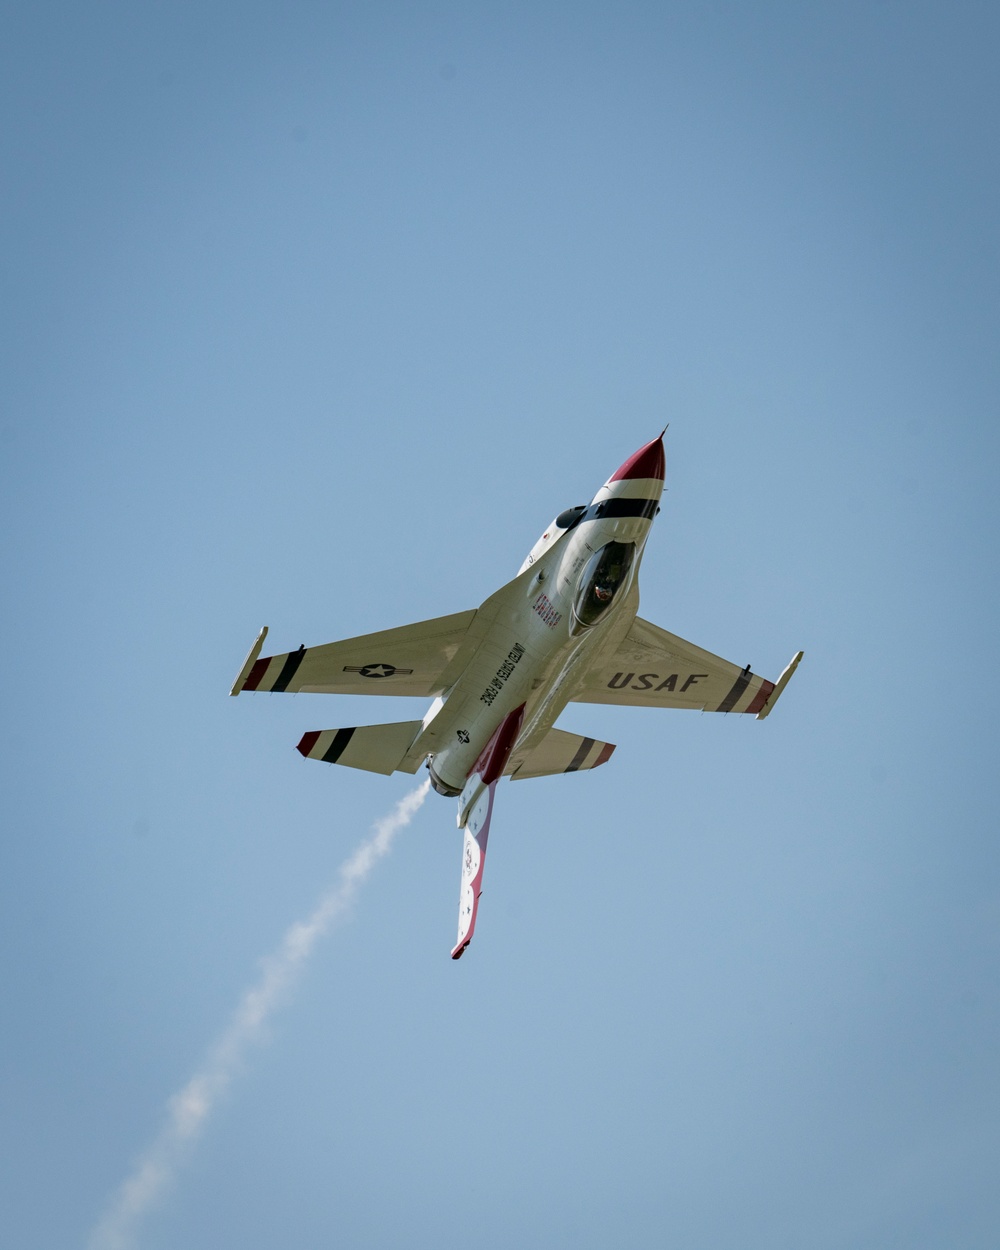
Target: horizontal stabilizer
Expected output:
[559,752]
[375,748]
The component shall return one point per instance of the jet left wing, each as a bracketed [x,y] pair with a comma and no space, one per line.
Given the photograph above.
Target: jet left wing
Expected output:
[409,660]
[654,668]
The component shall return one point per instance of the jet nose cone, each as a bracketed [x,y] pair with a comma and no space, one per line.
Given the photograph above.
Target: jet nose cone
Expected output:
[648,461]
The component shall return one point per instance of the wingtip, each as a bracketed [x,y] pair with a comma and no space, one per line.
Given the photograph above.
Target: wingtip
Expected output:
[780,684]
[249,662]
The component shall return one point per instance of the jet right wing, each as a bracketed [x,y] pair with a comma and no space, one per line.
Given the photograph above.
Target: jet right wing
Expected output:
[654,668]
[409,660]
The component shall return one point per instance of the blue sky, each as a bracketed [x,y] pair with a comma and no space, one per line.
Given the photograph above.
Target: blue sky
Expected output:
[314,316]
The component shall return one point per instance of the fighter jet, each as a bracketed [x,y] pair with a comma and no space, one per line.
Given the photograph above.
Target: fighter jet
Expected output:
[564,630]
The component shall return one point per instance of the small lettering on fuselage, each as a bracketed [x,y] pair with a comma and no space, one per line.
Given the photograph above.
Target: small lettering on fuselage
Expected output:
[546,611]
[503,672]
[647,681]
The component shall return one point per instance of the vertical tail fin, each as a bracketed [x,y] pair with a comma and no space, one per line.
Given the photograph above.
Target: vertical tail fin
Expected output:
[477,831]
[475,807]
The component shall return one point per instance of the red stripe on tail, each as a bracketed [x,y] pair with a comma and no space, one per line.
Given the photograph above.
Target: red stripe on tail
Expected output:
[606,753]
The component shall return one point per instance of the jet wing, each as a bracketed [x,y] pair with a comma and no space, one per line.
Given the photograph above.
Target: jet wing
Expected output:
[653,668]
[409,660]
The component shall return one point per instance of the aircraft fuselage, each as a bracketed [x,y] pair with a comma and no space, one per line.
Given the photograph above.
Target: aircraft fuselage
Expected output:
[576,592]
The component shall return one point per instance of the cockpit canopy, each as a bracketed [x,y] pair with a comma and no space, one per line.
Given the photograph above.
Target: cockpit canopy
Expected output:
[603,576]
[572,516]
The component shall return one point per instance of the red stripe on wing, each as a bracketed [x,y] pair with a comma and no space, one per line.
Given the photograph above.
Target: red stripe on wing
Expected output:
[761,697]
[257,673]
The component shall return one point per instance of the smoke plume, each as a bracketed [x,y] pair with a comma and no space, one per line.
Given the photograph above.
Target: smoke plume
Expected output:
[189,1109]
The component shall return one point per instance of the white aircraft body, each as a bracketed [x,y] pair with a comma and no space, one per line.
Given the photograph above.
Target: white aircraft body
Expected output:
[564,630]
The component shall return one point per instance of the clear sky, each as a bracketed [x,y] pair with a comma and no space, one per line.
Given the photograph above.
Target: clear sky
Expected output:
[314,315]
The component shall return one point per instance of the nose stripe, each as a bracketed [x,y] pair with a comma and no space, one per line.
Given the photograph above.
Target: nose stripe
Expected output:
[612,509]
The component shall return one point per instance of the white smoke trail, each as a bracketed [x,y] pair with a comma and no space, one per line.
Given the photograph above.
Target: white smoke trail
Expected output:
[188,1110]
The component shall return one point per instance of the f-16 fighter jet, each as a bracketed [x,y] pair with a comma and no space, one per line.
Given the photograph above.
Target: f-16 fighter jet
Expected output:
[564,630]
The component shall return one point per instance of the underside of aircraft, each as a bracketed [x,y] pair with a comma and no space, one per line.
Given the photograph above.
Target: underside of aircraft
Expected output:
[564,630]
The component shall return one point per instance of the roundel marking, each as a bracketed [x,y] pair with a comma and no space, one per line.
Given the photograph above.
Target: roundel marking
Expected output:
[377,670]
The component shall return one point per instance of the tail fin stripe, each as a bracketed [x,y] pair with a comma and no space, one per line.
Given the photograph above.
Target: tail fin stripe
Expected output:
[339,744]
[606,753]
[583,751]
